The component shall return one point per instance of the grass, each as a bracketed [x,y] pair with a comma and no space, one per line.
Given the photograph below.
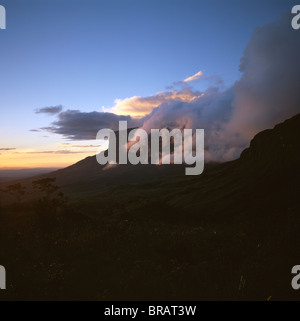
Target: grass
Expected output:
[210,238]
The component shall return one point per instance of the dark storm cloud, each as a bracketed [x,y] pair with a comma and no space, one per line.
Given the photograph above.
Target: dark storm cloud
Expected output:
[53,110]
[76,125]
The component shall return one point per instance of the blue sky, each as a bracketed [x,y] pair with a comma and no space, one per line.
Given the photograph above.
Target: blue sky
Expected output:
[85,54]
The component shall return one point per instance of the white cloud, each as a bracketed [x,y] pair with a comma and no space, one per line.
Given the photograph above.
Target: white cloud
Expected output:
[141,106]
[194,77]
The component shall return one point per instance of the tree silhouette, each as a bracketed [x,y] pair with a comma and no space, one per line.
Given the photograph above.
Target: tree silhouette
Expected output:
[46,186]
[16,190]
[53,198]
[51,207]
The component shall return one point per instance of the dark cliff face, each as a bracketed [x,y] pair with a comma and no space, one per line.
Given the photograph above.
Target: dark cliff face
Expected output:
[278,146]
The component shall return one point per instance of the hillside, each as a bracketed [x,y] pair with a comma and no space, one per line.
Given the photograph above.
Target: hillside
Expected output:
[231,233]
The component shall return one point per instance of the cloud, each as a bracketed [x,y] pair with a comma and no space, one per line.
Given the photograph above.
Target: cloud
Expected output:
[267,93]
[86,146]
[53,110]
[79,146]
[57,152]
[52,152]
[211,106]
[7,149]
[76,125]
[34,130]
[140,106]
[211,112]
[194,77]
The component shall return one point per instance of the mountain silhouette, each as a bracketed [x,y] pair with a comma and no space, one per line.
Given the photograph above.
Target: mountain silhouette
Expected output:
[266,171]
[273,150]
[150,232]
[277,147]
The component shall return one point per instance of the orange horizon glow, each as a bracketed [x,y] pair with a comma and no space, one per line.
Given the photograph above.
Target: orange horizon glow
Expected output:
[27,161]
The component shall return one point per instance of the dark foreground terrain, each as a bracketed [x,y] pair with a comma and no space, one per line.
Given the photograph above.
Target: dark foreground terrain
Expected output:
[232,233]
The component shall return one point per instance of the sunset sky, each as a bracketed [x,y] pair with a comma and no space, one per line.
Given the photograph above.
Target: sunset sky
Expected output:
[63,63]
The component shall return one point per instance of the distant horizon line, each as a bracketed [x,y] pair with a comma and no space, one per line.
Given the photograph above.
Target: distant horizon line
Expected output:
[24,168]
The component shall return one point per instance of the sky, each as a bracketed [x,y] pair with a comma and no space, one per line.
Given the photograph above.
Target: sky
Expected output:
[68,61]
